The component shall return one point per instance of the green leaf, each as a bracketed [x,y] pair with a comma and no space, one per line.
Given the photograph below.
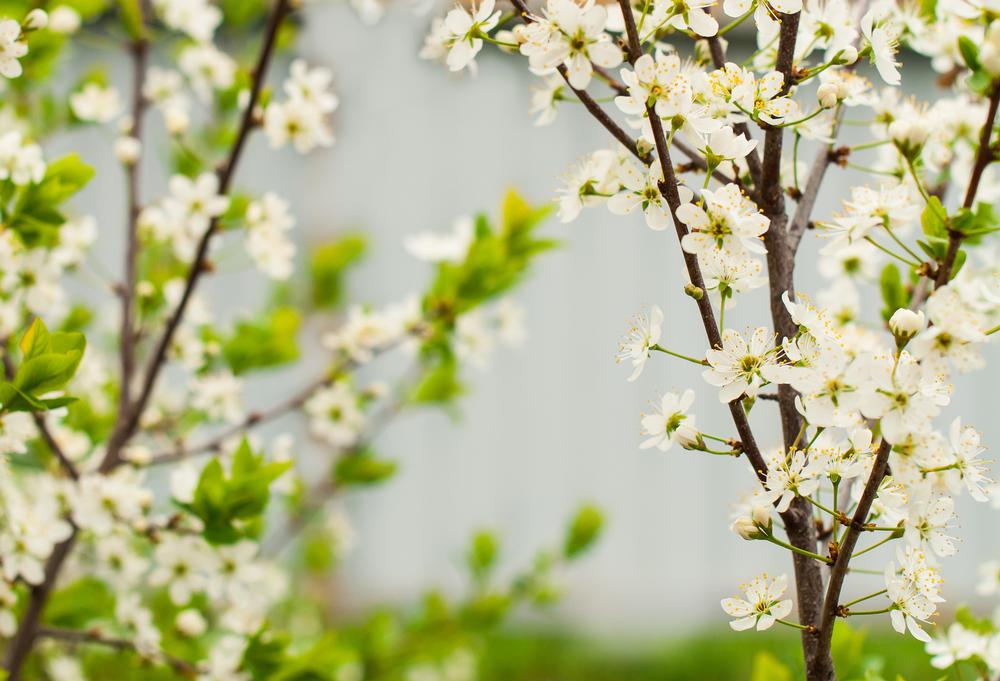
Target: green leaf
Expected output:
[766,667]
[231,508]
[969,52]
[583,531]
[438,385]
[264,343]
[78,604]
[482,555]
[49,361]
[131,12]
[893,295]
[931,221]
[327,266]
[363,468]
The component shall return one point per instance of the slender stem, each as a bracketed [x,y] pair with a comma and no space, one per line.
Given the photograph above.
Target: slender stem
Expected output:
[796,625]
[864,598]
[869,612]
[875,545]
[895,255]
[796,549]
[900,242]
[693,360]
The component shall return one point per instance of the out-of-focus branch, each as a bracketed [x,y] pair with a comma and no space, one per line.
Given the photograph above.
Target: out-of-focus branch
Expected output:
[984,156]
[78,636]
[126,427]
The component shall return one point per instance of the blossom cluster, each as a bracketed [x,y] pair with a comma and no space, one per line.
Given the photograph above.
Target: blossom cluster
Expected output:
[712,146]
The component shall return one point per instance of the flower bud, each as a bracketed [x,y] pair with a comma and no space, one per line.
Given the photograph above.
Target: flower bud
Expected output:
[905,324]
[190,623]
[828,95]
[35,20]
[128,149]
[689,438]
[694,291]
[761,515]
[747,528]
[846,56]
[908,135]
[64,19]
[989,53]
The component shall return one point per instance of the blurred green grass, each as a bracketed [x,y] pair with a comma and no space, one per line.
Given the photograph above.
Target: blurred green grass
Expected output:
[712,655]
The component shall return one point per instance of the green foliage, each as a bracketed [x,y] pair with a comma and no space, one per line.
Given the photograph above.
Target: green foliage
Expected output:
[48,362]
[709,655]
[495,262]
[980,79]
[583,531]
[363,468]
[262,343]
[231,508]
[766,667]
[482,554]
[36,216]
[327,266]
[439,383]
[894,296]
[80,603]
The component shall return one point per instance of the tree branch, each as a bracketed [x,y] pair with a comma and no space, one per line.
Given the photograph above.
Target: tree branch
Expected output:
[842,562]
[984,156]
[139,50]
[252,419]
[669,190]
[77,636]
[125,427]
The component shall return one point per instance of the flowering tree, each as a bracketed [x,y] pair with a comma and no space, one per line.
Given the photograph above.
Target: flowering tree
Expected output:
[713,144]
[137,536]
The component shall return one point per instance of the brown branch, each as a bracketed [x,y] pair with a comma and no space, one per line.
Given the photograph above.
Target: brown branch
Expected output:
[252,419]
[669,190]
[984,156]
[95,637]
[818,669]
[27,630]
[718,53]
[139,51]
[126,427]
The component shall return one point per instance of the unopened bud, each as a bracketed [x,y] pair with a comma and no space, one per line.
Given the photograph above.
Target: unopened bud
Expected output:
[35,20]
[828,95]
[128,149]
[846,56]
[64,20]
[694,291]
[905,324]
[747,528]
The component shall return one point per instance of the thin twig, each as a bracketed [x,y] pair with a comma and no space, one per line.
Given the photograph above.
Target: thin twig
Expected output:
[139,51]
[79,636]
[984,156]
[252,419]
[126,427]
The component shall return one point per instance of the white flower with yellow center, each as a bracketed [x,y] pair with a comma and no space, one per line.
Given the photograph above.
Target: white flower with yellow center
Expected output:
[762,605]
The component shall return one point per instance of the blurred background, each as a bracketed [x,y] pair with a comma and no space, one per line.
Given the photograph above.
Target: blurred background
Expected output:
[554,422]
